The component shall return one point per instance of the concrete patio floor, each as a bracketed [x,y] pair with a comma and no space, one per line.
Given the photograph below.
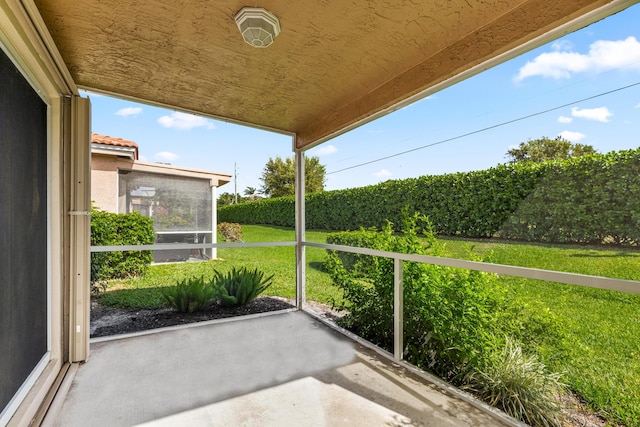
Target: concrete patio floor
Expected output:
[285,369]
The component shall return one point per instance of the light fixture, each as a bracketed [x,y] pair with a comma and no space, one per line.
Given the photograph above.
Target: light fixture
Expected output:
[258,26]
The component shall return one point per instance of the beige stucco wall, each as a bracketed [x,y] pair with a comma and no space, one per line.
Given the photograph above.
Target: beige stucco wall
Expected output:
[104,182]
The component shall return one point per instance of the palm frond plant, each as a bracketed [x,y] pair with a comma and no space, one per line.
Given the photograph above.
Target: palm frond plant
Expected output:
[240,286]
[190,295]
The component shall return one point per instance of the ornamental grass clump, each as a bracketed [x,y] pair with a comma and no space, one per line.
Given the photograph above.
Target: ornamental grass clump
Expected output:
[521,386]
[240,286]
[190,295]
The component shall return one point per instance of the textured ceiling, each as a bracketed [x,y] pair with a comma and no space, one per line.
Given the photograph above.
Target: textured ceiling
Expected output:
[335,62]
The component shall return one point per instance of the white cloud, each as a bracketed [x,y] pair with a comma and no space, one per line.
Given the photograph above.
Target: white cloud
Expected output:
[383,173]
[326,150]
[603,55]
[166,156]
[572,136]
[563,119]
[562,45]
[637,105]
[129,111]
[184,121]
[601,114]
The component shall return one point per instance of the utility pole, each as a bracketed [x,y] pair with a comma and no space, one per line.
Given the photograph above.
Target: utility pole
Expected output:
[235,182]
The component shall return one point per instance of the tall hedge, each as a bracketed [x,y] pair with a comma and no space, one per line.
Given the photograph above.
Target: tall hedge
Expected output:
[472,204]
[108,229]
[591,199]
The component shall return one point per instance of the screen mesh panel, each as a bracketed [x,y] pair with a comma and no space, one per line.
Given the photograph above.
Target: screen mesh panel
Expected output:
[23,230]
[180,208]
[174,203]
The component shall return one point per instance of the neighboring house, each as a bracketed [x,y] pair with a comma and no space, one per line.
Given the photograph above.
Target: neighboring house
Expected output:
[181,201]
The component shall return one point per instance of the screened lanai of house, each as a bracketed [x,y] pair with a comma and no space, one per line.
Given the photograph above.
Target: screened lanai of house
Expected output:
[331,66]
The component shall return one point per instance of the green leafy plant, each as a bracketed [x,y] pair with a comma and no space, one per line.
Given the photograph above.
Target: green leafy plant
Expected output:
[231,232]
[98,284]
[240,286]
[120,229]
[453,318]
[190,295]
[520,385]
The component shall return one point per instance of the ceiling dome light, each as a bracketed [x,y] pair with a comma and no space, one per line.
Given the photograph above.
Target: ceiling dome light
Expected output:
[258,26]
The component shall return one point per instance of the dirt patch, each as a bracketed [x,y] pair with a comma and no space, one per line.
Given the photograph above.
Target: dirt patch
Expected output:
[577,413]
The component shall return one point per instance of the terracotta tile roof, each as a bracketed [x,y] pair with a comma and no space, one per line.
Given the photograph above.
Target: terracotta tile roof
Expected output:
[117,142]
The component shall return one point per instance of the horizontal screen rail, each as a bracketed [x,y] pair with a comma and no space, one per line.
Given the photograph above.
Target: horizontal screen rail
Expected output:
[169,246]
[185,232]
[598,282]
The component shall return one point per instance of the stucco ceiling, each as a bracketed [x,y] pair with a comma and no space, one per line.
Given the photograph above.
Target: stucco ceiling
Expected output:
[334,64]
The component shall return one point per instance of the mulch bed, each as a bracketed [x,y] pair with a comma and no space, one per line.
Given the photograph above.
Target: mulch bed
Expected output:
[107,321]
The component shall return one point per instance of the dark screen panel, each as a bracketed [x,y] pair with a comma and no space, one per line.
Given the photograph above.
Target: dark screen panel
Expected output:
[23,229]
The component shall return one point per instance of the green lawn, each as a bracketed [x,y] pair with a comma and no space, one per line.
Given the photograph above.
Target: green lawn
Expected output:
[602,356]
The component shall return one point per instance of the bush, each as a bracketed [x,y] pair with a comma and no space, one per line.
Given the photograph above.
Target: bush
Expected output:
[357,264]
[590,200]
[190,295]
[109,229]
[231,232]
[455,319]
[521,386]
[240,286]
[278,211]
[98,284]
[368,291]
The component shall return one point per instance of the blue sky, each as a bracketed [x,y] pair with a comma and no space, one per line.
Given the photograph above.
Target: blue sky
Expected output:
[600,58]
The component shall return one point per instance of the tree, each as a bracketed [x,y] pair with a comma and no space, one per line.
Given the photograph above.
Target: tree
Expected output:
[278,176]
[251,194]
[541,149]
[226,199]
[250,191]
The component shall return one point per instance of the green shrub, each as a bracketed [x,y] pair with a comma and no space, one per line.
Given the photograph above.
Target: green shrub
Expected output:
[357,264]
[590,200]
[240,286]
[190,295]
[519,385]
[109,229]
[98,284]
[454,318]
[448,313]
[231,232]
[278,211]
